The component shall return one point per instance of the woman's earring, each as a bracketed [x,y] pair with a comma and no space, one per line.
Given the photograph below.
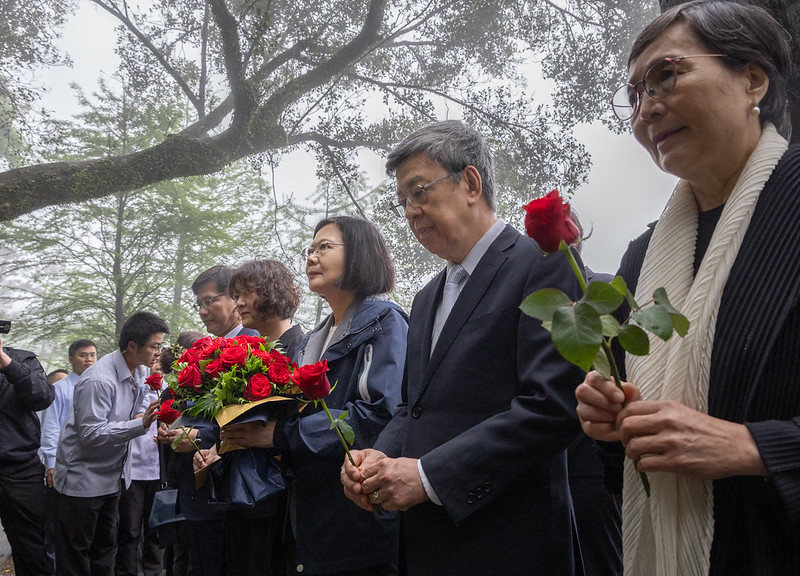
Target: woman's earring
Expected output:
[755,110]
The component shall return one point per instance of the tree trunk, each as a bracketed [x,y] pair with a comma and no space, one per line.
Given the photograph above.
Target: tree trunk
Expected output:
[787,12]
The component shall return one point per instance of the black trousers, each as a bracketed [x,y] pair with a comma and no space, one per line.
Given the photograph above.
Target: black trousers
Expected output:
[86,534]
[135,504]
[22,514]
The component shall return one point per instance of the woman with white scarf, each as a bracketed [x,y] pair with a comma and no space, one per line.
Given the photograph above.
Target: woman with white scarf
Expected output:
[712,418]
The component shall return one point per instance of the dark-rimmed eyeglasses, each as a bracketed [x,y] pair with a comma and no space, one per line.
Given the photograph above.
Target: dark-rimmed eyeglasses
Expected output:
[153,347]
[207,301]
[319,249]
[658,82]
[417,196]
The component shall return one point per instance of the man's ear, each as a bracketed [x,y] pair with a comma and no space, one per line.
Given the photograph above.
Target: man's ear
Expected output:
[472,177]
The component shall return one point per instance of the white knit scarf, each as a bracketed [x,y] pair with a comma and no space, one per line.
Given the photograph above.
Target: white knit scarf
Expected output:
[669,534]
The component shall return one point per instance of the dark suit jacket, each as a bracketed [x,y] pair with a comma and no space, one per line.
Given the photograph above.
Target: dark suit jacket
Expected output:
[755,364]
[490,415]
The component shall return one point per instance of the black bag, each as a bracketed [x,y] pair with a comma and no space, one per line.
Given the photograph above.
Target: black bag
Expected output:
[246,478]
[164,517]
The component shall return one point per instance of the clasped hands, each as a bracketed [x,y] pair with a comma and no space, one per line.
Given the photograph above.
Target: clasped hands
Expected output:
[392,483]
[665,435]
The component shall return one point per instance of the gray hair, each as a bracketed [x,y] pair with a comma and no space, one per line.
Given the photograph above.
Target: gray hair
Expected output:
[453,145]
[744,33]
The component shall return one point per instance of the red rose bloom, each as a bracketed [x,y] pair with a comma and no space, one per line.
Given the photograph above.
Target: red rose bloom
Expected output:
[234,354]
[278,356]
[154,382]
[312,380]
[166,413]
[215,368]
[190,378]
[189,356]
[266,359]
[548,220]
[257,388]
[278,372]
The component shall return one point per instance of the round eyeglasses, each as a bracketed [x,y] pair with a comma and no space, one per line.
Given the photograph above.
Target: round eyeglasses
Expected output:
[658,82]
[417,196]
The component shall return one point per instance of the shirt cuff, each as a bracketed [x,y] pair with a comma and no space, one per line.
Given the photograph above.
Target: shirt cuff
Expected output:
[427,485]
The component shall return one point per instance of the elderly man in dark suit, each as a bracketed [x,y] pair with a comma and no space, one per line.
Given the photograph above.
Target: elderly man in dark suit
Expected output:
[475,458]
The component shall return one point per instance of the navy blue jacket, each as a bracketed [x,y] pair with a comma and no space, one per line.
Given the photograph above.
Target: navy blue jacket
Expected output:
[365,361]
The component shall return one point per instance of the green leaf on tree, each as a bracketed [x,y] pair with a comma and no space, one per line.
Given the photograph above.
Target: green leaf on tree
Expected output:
[542,304]
[634,340]
[577,333]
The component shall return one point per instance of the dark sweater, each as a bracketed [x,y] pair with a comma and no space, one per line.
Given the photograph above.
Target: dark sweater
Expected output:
[755,364]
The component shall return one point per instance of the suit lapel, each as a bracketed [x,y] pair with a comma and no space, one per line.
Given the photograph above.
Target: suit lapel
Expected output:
[471,295]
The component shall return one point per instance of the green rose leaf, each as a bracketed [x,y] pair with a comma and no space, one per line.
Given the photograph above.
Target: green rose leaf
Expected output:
[601,364]
[619,285]
[345,429]
[634,340]
[656,319]
[543,303]
[602,297]
[610,325]
[679,322]
[577,333]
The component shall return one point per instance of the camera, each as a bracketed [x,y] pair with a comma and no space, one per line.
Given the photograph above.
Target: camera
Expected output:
[5,326]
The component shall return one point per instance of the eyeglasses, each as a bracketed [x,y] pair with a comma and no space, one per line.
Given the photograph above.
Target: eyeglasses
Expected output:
[658,82]
[417,197]
[153,347]
[207,301]
[319,249]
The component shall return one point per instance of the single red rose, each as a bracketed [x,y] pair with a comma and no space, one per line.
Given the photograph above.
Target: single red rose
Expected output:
[278,372]
[190,378]
[279,356]
[312,380]
[234,354]
[189,356]
[266,359]
[154,382]
[210,349]
[258,388]
[166,413]
[215,368]
[548,220]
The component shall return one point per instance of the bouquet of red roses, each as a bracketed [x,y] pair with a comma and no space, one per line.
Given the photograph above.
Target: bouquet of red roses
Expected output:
[216,374]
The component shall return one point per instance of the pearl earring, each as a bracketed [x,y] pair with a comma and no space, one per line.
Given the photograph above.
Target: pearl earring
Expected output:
[755,110]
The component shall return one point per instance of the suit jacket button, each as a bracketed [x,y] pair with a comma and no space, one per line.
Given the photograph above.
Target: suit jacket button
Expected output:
[487,487]
[417,411]
[479,492]
[470,498]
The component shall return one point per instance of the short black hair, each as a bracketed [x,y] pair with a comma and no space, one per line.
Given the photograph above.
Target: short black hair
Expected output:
[53,373]
[139,327]
[219,275]
[368,265]
[78,344]
[273,283]
[743,33]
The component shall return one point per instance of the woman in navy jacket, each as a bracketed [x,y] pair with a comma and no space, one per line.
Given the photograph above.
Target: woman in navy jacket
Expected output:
[364,342]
